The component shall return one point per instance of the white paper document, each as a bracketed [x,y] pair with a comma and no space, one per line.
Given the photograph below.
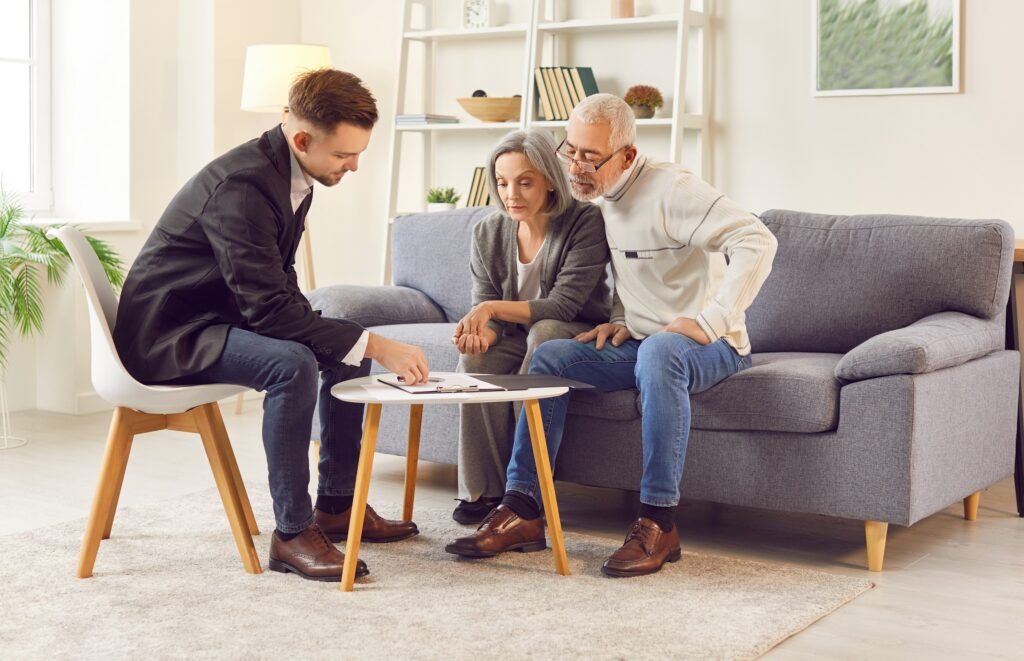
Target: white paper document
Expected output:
[441,382]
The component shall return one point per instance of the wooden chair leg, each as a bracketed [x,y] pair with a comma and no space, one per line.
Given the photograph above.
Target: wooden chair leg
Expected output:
[874,535]
[355,527]
[412,457]
[316,454]
[547,484]
[117,489]
[114,459]
[236,475]
[971,506]
[216,450]
[239,403]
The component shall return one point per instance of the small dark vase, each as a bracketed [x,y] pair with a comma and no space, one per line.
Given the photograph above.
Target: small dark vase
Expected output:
[643,112]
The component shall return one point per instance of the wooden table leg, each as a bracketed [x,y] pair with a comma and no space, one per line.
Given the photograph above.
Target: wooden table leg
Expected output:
[355,528]
[412,457]
[547,484]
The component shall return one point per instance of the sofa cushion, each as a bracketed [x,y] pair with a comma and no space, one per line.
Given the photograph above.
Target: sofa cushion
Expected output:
[434,339]
[375,306]
[838,281]
[430,252]
[942,340]
[787,392]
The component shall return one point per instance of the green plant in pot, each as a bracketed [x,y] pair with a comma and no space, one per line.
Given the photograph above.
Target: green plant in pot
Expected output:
[644,100]
[441,199]
[26,253]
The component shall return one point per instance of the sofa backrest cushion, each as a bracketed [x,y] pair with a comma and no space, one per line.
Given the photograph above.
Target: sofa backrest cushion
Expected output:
[430,252]
[840,280]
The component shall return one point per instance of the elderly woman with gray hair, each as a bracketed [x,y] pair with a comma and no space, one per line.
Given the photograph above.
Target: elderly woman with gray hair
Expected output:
[538,265]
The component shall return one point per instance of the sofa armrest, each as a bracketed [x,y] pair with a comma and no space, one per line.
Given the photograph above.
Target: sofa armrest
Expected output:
[376,306]
[940,340]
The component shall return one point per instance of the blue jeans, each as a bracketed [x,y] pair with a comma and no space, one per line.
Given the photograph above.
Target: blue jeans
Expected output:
[665,367]
[287,372]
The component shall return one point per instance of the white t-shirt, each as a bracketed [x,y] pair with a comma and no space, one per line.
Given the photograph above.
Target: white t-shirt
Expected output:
[529,274]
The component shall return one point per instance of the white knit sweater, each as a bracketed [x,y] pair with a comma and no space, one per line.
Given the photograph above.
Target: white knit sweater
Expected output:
[681,249]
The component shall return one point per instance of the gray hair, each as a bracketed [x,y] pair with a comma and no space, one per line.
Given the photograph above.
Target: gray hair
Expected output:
[609,108]
[539,148]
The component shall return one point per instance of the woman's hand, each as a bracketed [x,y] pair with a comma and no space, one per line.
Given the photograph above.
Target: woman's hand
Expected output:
[476,344]
[475,321]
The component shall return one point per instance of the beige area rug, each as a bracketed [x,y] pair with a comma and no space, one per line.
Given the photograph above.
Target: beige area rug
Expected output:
[169,584]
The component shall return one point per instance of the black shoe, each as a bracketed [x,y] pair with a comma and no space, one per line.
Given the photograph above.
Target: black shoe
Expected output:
[473,512]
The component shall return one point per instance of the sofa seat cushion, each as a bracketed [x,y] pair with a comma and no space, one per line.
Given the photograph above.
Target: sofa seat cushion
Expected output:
[783,392]
[787,392]
[434,339]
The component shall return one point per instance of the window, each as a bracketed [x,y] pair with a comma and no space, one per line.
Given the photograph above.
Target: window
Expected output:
[25,112]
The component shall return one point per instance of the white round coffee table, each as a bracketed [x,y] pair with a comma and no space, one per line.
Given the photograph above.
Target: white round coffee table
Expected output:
[369,391]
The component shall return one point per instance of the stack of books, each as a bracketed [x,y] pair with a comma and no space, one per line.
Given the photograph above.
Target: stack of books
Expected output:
[479,195]
[559,89]
[425,118]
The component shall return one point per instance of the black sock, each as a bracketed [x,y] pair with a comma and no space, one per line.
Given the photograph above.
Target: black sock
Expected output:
[523,505]
[287,536]
[660,515]
[333,504]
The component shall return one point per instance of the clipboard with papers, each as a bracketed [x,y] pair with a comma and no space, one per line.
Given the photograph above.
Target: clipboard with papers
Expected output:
[457,382]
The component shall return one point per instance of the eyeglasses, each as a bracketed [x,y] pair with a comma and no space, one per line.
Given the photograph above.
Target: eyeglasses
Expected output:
[584,166]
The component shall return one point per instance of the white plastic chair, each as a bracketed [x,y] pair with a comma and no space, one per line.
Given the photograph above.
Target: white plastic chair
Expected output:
[141,409]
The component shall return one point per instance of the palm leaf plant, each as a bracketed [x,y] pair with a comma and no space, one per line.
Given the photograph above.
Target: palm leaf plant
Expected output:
[26,252]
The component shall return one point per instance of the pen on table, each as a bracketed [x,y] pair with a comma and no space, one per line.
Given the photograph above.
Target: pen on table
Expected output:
[430,379]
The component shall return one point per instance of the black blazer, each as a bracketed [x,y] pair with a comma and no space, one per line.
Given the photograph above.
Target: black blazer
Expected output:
[222,256]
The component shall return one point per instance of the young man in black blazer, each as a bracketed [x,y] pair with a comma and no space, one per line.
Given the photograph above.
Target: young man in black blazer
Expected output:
[213,298]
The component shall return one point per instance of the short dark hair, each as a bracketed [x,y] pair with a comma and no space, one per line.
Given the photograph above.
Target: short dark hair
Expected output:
[328,97]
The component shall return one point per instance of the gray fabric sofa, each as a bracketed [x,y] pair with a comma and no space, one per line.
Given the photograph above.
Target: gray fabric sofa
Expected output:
[880,388]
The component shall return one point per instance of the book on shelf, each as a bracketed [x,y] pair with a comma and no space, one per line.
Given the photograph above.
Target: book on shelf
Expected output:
[556,95]
[426,118]
[478,193]
[560,89]
[587,80]
[570,86]
[543,98]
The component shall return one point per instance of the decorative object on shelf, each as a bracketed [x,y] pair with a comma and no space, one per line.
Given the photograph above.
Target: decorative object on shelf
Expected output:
[644,100]
[25,251]
[622,8]
[476,14]
[492,108]
[560,89]
[870,48]
[442,199]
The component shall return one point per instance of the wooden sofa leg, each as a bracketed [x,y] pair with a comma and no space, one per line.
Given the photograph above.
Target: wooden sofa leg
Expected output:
[971,506]
[874,535]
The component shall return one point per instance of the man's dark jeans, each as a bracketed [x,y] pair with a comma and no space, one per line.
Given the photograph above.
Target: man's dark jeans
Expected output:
[288,373]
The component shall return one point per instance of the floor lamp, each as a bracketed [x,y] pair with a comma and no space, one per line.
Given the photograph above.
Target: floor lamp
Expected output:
[270,70]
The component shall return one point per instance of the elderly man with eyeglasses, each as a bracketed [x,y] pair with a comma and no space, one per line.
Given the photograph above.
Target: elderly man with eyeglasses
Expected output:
[686,262]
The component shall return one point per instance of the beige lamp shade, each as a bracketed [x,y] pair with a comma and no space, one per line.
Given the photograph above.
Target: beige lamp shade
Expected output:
[270,70]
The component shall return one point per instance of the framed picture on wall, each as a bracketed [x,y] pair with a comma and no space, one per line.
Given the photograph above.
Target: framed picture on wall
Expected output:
[868,47]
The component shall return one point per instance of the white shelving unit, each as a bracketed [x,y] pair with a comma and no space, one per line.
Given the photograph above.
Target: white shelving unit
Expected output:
[544,39]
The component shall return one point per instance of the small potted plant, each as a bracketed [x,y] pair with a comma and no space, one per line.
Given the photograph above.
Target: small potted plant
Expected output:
[644,100]
[441,199]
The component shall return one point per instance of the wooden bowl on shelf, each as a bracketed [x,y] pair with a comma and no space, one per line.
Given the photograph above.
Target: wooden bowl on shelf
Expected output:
[492,108]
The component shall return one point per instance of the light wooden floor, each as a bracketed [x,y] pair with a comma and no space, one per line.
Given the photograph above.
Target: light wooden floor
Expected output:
[951,589]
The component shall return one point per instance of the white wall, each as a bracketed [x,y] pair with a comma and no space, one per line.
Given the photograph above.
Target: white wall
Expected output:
[952,155]
[775,144]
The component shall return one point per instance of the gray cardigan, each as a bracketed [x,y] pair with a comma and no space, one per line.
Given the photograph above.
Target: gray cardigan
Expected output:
[573,286]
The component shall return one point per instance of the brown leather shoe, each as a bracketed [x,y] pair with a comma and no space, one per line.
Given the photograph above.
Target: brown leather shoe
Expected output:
[375,527]
[645,550]
[310,555]
[502,530]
